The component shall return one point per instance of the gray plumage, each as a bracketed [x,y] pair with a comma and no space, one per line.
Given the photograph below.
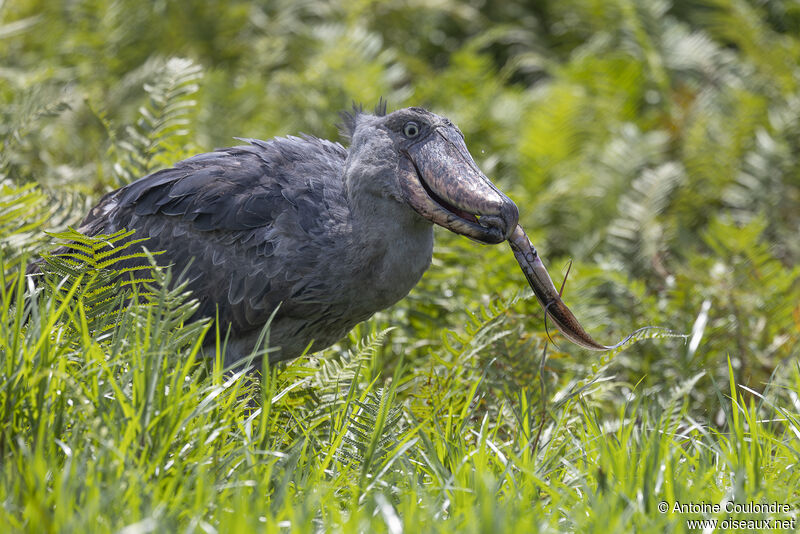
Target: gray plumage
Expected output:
[328,234]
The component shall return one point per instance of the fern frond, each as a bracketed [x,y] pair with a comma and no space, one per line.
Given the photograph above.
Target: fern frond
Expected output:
[482,331]
[336,374]
[27,109]
[373,429]
[103,288]
[23,211]
[638,234]
[766,183]
[162,126]
[95,251]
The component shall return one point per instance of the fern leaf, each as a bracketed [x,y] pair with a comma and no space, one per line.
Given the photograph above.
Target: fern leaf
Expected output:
[637,233]
[162,124]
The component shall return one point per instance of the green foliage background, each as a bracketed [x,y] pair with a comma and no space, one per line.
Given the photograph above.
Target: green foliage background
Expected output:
[655,144]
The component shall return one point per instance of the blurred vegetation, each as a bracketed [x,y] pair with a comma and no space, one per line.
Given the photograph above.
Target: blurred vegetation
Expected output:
[655,144]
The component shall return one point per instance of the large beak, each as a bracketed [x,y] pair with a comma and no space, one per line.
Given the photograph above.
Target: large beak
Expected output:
[441,181]
[547,295]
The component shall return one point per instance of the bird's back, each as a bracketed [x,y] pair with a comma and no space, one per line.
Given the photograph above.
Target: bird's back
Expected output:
[250,227]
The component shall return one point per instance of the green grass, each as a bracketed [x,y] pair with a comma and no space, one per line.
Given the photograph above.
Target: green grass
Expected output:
[129,428]
[654,145]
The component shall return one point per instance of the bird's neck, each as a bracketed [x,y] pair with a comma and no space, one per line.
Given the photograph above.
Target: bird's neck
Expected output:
[382,222]
[392,246]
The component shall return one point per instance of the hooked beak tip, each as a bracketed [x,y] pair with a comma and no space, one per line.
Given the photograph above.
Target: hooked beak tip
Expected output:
[504,223]
[511,218]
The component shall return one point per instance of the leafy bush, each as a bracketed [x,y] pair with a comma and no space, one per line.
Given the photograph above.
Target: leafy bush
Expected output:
[655,145]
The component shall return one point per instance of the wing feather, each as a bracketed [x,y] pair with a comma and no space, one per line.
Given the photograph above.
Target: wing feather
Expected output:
[247,225]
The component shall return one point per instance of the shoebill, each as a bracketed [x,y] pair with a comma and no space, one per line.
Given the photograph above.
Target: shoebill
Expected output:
[322,235]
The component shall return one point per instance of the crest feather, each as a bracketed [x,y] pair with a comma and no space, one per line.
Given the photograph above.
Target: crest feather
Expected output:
[349,118]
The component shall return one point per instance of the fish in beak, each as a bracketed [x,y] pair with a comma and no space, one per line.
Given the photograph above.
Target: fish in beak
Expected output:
[547,294]
[550,299]
[441,181]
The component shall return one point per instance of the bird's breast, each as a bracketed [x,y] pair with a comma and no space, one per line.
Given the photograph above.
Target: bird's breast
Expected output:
[387,269]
